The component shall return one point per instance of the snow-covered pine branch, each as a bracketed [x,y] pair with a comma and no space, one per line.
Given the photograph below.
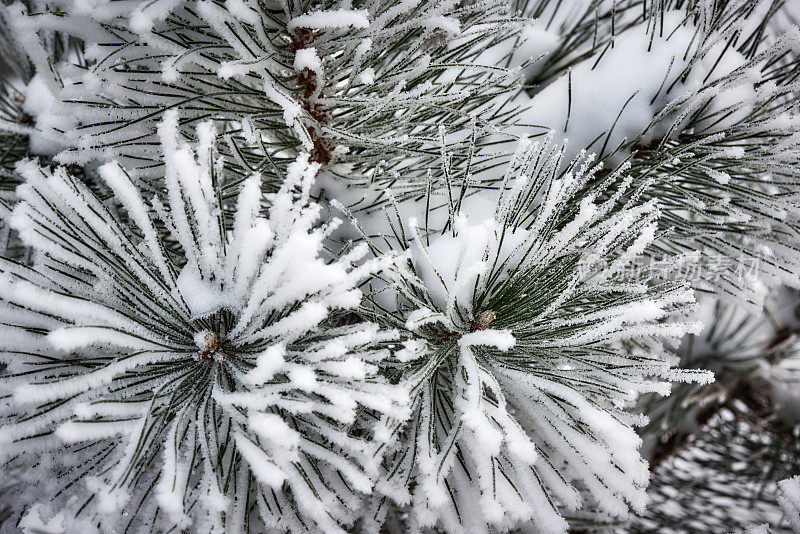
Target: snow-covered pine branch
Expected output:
[197,375]
[700,102]
[724,478]
[716,451]
[21,135]
[739,347]
[190,340]
[532,328]
[366,87]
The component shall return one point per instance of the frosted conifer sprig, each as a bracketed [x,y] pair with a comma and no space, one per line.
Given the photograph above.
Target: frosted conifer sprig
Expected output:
[724,478]
[713,126]
[284,78]
[191,343]
[721,447]
[588,30]
[20,135]
[205,383]
[581,30]
[745,351]
[528,340]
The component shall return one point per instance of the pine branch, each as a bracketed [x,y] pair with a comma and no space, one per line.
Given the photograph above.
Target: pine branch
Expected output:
[521,343]
[211,375]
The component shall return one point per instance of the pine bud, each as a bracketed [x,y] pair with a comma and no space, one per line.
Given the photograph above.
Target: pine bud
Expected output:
[211,347]
[482,321]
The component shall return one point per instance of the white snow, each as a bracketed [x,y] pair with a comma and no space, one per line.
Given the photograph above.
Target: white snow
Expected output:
[267,364]
[331,19]
[303,378]
[272,428]
[789,499]
[613,100]
[291,109]
[242,11]
[500,339]
[147,14]
[262,467]
[51,122]
[202,296]
[307,58]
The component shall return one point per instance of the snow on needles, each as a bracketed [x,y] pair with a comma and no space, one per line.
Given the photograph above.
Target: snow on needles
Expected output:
[194,344]
[144,344]
[789,499]
[659,81]
[371,66]
[538,335]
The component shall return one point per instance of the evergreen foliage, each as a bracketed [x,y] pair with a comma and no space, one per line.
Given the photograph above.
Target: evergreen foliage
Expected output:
[451,266]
